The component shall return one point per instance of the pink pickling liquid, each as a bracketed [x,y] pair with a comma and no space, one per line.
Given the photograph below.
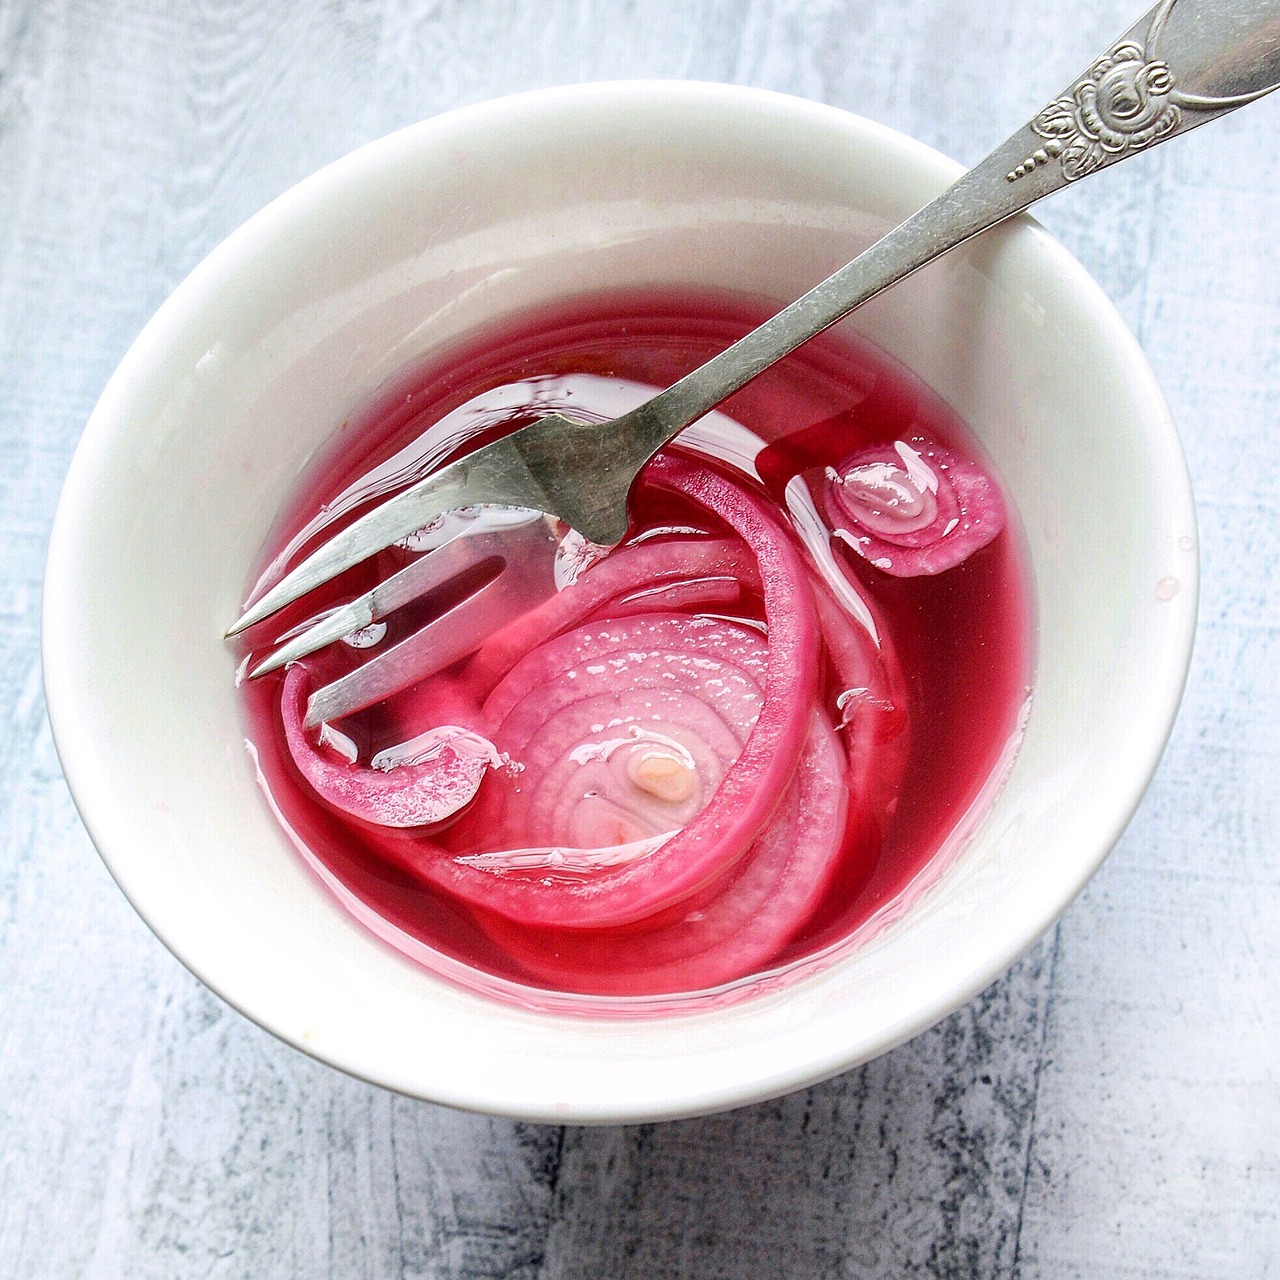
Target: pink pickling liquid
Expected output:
[955,660]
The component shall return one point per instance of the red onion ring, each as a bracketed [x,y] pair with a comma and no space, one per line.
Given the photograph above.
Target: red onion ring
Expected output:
[705,851]
[410,795]
[715,938]
[752,788]
[915,507]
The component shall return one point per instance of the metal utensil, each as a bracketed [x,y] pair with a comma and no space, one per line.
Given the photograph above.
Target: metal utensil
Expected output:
[521,547]
[1184,63]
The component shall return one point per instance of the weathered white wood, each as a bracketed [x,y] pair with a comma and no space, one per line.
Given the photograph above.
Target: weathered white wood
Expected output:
[1110,1108]
[914,1164]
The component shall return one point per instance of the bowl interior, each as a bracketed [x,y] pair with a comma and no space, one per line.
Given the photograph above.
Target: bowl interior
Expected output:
[294,323]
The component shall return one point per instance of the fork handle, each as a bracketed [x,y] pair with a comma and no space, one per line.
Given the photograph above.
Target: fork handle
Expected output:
[1182,64]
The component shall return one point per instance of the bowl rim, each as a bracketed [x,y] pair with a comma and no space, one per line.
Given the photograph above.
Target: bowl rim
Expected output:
[698,1096]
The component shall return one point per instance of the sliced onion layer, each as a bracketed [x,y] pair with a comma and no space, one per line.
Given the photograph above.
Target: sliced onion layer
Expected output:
[914,507]
[752,786]
[636,722]
[718,937]
[674,799]
[443,778]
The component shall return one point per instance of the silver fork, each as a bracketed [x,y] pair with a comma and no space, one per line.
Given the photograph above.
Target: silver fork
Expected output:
[1184,63]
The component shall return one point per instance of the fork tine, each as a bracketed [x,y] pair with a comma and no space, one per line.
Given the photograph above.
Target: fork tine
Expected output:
[429,649]
[453,635]
[425,574]
[496,473]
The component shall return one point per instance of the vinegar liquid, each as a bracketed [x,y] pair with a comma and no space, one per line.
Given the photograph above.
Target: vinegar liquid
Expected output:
[960,641]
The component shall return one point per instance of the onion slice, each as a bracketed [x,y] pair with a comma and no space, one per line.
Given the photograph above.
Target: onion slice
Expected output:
[622,729]
[740,926]
[645,566]
[443,778]
[753,786]
[915,508]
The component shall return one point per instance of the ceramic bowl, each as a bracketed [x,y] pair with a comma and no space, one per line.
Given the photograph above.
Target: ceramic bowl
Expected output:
[313,304]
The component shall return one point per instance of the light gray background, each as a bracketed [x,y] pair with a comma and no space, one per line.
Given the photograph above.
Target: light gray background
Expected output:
[1109,1108]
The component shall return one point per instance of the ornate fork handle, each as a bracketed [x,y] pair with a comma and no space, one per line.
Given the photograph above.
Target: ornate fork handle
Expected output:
[1184,63]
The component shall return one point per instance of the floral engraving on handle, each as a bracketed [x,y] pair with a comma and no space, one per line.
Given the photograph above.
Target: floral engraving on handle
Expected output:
[1123,103]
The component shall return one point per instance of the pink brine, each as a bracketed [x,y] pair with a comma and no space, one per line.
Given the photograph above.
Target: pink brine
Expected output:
[725,749]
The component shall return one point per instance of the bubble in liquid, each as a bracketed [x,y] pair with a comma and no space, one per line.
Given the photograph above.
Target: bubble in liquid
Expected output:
[366,637]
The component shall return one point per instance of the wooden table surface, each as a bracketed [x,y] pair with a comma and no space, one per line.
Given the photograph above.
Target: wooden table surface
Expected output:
[1109,1108]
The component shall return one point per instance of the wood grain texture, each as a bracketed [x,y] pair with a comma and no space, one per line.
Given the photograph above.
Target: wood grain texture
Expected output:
[1109,1108]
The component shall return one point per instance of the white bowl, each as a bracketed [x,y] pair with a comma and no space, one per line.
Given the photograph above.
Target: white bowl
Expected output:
[300,315]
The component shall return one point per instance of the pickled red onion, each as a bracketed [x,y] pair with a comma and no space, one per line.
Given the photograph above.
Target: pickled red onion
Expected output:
[737,706]
[735,929]
[648,565]
[410,795]
[580,711]
[915,507]
[752,787]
